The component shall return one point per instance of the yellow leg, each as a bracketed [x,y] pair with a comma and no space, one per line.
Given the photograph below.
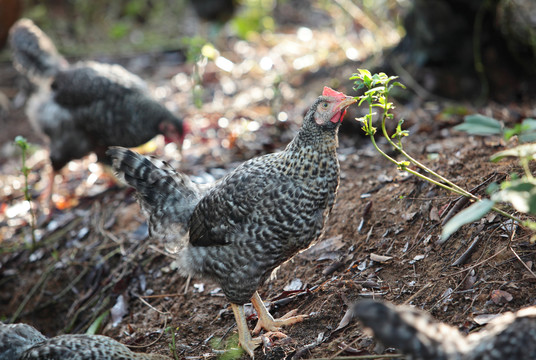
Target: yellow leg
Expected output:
[266,320]
[247,343]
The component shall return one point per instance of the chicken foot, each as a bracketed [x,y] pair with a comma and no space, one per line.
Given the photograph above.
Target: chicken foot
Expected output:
[266,320]
[247,343]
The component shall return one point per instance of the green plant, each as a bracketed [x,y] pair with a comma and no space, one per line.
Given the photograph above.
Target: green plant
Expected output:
[230,350]
[22,143]
[254,19]
[173,345]
[377,88]
[198,50]
[477,124]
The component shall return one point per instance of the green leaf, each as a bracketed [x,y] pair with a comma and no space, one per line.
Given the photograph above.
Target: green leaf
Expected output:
[94,327]
[364,73]
[492,188]
[402,165]
[21,142]
[521,151]
[396,83]
[478,124]
[521,194]
[528,131]
[529,137]
[363,98]
[466,216]
[375,90]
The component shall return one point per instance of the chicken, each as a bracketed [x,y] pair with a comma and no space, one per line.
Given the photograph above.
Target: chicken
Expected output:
[238,229]
[509,336]
[88,106]
[21,341]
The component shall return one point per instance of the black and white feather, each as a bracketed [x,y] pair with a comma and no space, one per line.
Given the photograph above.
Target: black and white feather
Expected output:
[420,337]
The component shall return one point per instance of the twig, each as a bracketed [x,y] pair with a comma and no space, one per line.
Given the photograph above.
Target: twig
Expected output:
[480,262]
[463,257]
[516,255]
[152,307]
[155,341]
[163,252]
[159,296]
[64,291]
[417,293]
[32,292]
[522,262]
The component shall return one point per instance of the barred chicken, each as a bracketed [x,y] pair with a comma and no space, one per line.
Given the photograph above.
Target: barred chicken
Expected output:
[24,342]
[240,228]
[87,106]
[416,334]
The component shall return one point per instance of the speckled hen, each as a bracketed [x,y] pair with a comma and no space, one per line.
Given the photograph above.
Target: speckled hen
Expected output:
[416,334]
[24,342]
[237,230]
[87,106]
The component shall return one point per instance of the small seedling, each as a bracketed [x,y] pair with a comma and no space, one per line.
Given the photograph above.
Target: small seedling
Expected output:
[22,143]
[172,345]
[377,88]
[197,49]
[229,349]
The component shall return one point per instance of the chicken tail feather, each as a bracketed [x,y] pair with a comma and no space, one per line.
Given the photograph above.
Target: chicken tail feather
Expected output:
[167,196]
[34,54]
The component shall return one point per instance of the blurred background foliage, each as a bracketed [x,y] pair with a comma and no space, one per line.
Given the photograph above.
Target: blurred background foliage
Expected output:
[121,27]
[458,49]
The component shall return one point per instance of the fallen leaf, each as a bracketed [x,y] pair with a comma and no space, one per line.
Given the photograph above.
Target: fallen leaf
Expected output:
[295,284]
[119,310]
[347,349]
[346,319]
[483,319]
[417,258]
[500,297]
[434,214]
[320,249]
[380,258]
[408,216]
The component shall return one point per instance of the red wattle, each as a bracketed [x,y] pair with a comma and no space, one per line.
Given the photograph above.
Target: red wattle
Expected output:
[335,119]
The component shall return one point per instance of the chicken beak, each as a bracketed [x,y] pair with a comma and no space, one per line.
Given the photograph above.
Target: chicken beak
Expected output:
[344,103]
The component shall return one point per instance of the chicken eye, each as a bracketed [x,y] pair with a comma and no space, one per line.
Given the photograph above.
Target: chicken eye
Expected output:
[325,105]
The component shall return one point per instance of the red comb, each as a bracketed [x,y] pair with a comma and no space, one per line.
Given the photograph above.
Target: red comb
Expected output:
[330,92]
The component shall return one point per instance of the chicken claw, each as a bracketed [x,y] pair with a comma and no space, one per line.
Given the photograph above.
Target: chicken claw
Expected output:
[266,320]
[247,343]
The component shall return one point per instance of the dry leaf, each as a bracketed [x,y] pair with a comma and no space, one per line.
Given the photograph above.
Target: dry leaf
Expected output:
[483,319]
[380,258]
[501,297]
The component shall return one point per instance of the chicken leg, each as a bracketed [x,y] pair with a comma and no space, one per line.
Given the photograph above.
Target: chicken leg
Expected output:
[247,343]
[266,320]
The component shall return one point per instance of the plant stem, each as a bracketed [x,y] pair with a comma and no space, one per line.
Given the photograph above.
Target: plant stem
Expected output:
[27,196]
[443,183]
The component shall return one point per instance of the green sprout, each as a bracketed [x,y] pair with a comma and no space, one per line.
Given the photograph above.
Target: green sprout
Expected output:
[173,345]
[23,144]
[229,349]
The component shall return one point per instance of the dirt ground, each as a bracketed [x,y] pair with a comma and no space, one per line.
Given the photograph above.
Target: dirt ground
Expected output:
[95,264]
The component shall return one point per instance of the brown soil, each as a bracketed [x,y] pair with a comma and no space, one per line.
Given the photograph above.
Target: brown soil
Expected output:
[97,248]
